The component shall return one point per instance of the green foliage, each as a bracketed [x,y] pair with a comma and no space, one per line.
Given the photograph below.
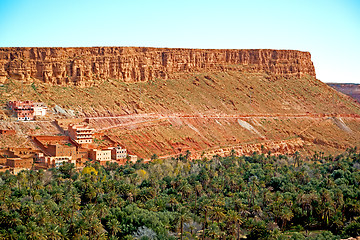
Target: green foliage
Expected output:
[34,87]
[352,230]
[259,196]
[89,170]
[324,236]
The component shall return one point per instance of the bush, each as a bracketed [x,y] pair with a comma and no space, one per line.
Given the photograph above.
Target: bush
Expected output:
[351,230]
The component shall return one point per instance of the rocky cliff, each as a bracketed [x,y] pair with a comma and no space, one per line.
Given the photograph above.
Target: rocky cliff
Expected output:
[83,66]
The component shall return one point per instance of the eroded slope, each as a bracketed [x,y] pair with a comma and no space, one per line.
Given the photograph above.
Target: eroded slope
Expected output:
[226,100]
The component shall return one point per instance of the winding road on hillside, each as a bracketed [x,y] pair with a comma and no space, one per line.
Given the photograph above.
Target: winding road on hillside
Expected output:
[146,118]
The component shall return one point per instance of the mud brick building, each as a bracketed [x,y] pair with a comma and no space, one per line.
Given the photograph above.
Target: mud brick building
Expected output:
[57,150]
[17,159]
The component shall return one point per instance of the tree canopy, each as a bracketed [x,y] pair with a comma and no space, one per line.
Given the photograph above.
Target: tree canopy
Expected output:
[258,196]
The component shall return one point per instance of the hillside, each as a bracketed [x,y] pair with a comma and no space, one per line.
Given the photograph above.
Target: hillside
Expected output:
[205,101]
[350,89]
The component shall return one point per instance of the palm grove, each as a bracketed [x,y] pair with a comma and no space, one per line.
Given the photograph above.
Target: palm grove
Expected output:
[258,197]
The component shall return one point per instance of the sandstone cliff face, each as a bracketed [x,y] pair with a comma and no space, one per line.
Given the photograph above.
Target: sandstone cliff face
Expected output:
[83,66]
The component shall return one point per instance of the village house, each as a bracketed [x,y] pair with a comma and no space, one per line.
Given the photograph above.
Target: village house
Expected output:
[17,159]
[27,110]
[19,152]
[81,134]
[57,161]
[39,109]
[60,154]
[133,158]
[118,153]
[57,150]
[22,163]
[101,156]
[23,110]
[61,150]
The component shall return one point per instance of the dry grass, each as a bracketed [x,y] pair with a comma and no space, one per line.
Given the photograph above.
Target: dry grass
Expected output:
[224,92]
[230,92]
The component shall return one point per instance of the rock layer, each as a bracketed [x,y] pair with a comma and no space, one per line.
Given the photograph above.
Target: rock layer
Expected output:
[84,66]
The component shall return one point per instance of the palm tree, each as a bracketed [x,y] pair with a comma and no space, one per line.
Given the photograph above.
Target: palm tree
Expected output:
[13,220]
[58,196]
[198,189]
[13,204]
[32,178]
[5,192]
[206,207]
[253,183]
[74,202]
[234,220]
[42,216]
[21,178]
[96,229]
[217,214]
[34,232]
[182,217]
[28,210]
[102,210]
[173,202]
[40,175]
[112,199]
[90,194]
[114,226]
[214,232]
[81,228]
[185,189]
[99,190]
[52,232]
[285,215]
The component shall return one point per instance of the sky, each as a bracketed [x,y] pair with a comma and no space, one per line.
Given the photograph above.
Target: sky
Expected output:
[328,29]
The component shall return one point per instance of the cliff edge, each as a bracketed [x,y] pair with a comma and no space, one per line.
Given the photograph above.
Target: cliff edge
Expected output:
[83,66]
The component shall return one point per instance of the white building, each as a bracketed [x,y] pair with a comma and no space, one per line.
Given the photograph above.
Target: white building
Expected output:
[57,161]
[118,153]
[100,155]
[39,109]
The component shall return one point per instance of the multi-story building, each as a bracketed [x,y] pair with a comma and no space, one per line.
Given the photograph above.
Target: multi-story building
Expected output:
[39,109]
[22,163]
[61,150]
[20,152]
[18,159]
[27,110]
[81,133]
[15,163]
[57,150]
[118,153]
[23,110]
[100,155]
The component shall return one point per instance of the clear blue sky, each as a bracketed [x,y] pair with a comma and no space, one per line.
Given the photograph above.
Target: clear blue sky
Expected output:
[329,29]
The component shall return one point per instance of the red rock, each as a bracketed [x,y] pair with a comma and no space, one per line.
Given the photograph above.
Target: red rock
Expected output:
[79,66]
